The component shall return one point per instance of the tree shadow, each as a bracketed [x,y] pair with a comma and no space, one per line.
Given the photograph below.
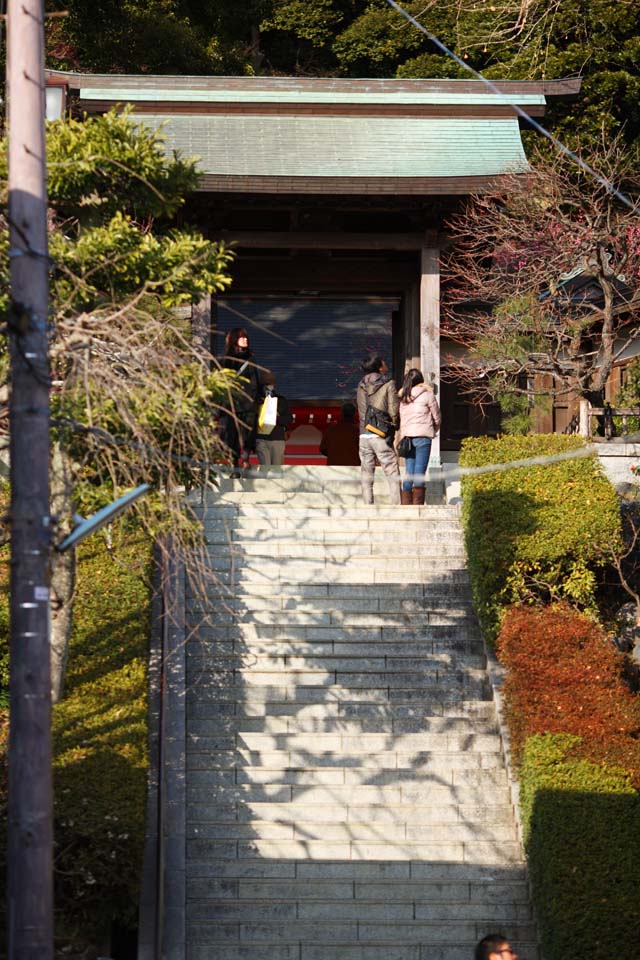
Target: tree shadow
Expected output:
[346,794]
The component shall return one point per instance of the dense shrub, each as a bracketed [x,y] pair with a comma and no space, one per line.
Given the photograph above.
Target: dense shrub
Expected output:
[583,847]
[100,742]
[536,532]
[565,676]
[100,746]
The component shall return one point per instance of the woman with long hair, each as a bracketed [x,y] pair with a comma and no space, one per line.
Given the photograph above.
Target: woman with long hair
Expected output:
[419,421]
[238,425]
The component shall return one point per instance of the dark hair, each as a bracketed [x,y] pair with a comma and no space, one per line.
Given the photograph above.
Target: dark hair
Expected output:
[372,363]
[348,411]
[268,378]
[492,943]
[231,340]
[411,379]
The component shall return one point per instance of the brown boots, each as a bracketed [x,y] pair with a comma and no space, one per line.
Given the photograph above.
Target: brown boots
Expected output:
[417,496]
[414,496]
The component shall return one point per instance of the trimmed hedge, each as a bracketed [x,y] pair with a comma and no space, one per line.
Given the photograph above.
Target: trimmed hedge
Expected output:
[100,742]
[583,847]
[535,533]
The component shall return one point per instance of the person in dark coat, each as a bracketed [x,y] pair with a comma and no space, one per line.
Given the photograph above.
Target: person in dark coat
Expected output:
[238,424]
[340,441]
[270,446]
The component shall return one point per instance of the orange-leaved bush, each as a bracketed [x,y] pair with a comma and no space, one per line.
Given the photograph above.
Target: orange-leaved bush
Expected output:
[565,676]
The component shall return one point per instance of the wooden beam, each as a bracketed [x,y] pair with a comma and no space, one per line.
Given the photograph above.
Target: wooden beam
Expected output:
[327,241]
[351,186]
[341,277]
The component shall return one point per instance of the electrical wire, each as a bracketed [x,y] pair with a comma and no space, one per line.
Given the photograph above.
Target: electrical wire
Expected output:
[516,108]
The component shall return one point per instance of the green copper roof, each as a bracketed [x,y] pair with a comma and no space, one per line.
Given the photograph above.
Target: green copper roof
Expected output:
[265,95]
[245,145]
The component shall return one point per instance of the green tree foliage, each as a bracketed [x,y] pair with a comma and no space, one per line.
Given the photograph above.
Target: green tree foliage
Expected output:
[134,395]
[119,268]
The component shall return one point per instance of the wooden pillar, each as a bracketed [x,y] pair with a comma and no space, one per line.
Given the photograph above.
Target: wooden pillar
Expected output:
[430,330]
[411,338]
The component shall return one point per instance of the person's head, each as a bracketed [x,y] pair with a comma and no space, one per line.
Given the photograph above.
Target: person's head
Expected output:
[236,340]
[348,411]
[374,363]
[411,379]
[494,947]
[268,380]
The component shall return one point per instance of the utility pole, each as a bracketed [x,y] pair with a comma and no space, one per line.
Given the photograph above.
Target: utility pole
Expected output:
[30,873]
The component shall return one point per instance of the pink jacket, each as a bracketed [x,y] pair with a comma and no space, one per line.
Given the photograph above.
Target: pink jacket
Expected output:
[421,416]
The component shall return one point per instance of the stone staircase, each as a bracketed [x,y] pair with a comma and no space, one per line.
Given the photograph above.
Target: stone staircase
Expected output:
[346,790]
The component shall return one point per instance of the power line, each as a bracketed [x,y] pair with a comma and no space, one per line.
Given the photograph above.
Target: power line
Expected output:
[514,106]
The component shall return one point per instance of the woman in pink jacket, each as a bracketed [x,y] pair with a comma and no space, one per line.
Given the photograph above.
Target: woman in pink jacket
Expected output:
[420,420]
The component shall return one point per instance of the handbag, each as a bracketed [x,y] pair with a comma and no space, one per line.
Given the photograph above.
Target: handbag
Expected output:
[405,447]
[268,414]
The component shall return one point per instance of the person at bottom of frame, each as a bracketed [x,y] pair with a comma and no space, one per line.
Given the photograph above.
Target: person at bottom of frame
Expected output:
[494,947]
[270,446]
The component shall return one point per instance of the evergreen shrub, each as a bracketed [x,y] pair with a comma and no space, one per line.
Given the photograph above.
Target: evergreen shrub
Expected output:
[583,848]
[537,532]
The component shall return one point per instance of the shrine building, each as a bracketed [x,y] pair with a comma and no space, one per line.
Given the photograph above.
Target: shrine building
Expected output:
[335,194]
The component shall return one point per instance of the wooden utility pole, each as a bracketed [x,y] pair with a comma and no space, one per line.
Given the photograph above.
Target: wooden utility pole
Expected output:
[30,883]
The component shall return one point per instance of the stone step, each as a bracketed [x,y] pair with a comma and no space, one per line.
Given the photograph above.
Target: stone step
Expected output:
[346,743]
[338,603]
[344,932]
[432,587]
[411,785]
[252,658]
[246,530]
[296,512]
[393,795]
[235,653]
[372,814]
[469,712]
[364,911]
[353,549]
[223,950]
[384,834]
[263,612]
[289,481]
[360,871]
[358,556]
[346,498]
[248,575]
[410,631]
[430,698]
[402,684]
[468,851]
[203,723]
[252,765]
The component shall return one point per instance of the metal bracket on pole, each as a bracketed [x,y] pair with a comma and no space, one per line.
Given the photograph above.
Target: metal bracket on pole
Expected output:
[94,523]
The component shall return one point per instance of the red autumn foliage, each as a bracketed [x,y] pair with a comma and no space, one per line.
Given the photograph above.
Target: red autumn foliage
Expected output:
[565,676]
